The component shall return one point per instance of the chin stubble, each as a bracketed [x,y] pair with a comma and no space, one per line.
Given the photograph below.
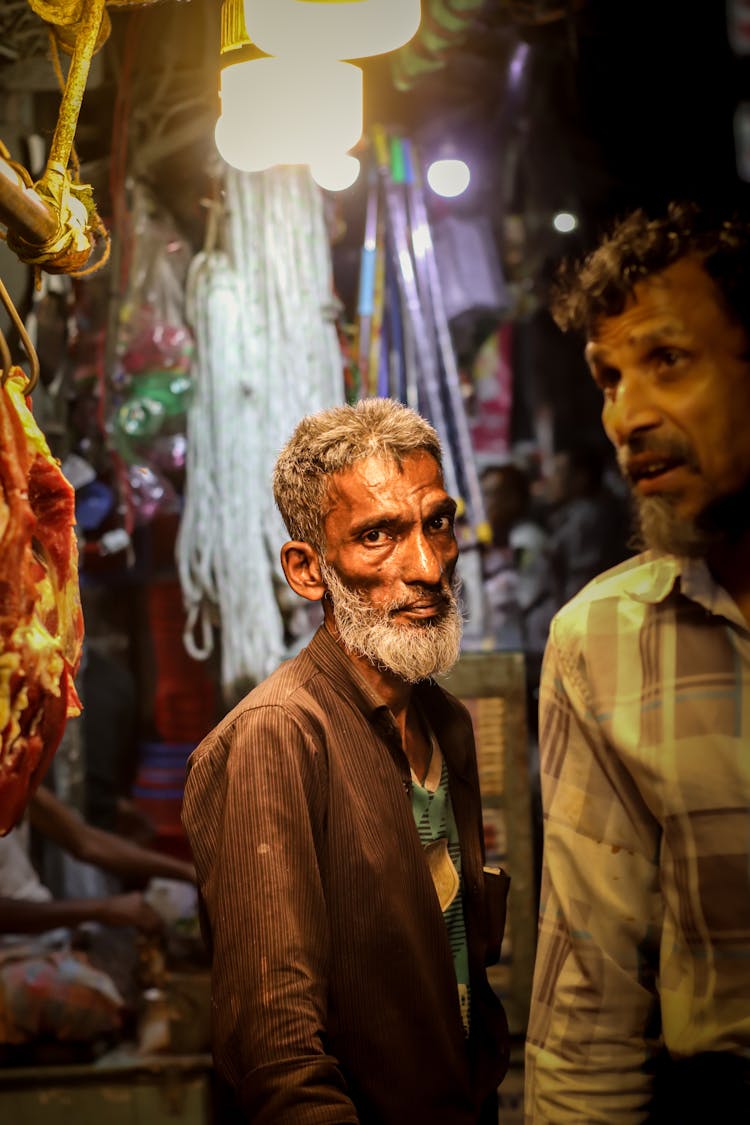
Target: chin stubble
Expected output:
[661,529]
[412,651]
[725,522]
[659,525]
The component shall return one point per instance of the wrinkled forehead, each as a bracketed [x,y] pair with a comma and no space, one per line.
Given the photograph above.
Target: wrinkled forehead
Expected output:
[679,294]
[369,474]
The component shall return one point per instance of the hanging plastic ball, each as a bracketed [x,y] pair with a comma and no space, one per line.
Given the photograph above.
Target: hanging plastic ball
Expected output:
[155,343]
[151,494]
[168,452]
[94,502]
[140,417]
[172,388]
[157,404]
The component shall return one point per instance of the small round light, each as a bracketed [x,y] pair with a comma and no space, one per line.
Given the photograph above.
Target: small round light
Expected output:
[335,173]
[564,222]
[448,178]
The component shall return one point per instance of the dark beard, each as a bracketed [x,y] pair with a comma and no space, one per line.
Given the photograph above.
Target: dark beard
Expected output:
[722,524]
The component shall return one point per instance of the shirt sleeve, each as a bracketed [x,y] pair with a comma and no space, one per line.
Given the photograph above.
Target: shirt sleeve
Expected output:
[594,1024]
[254,812]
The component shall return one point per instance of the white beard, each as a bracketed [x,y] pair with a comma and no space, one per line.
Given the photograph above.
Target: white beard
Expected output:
[412,651]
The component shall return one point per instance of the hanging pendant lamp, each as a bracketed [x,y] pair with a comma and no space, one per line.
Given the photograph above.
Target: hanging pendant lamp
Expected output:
[288,111]
[334,29]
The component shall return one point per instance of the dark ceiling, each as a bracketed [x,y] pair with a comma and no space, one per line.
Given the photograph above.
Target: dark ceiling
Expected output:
[594,106]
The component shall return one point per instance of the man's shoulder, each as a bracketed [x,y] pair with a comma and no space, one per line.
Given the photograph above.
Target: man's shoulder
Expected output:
[618,598]
[282,692]
[278,688]
[645,577]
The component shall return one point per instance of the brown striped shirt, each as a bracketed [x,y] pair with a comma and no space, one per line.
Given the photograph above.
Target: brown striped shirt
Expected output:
[644,934]
[333,988]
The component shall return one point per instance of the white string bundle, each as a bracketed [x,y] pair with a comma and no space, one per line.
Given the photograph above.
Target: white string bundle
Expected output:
[221,557]
[280,244]
[266,354]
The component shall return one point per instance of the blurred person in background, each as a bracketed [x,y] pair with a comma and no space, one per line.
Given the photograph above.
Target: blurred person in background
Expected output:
[589,524]
[49,987]
[519,593]
[517,571]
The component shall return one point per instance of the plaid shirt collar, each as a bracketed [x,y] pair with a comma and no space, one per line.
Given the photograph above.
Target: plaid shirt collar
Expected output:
[654,583]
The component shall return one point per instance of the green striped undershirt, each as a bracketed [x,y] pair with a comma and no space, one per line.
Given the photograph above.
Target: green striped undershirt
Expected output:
[433,816]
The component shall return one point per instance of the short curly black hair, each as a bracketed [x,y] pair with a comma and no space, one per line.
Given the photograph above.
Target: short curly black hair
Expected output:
[640,246]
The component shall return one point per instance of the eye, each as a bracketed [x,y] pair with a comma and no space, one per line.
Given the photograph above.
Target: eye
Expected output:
[374,535]
[666,357]
[441,523]
[606,378]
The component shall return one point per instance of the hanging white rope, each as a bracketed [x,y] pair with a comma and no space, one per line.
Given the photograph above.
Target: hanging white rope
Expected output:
[220,553]
[266,354]
[280,246]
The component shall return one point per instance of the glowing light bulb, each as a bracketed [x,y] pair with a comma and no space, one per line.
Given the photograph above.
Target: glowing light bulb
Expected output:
[232,147]
[287,111]
[564,222]
[449,178]
[334,29]
[335,173]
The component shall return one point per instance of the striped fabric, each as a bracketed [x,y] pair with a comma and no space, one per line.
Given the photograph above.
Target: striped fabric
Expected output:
[644,933]
[433,816]
[333,988]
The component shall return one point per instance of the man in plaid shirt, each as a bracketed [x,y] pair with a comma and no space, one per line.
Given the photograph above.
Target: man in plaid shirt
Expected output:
[641,1003]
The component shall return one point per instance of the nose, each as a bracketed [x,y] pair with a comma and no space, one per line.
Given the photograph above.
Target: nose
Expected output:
[629,408]
[424,563]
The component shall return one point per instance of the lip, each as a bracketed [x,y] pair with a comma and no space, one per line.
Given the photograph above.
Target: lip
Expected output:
[421,609]
[666,481]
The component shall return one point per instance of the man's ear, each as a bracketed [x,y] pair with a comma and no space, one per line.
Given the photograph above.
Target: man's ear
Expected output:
[302,570]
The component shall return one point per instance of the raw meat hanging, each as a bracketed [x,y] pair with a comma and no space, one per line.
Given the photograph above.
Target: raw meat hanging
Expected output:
[41,624]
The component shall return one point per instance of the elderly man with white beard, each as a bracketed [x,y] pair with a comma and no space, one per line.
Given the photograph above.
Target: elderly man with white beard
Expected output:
[641,1004]
[334,814]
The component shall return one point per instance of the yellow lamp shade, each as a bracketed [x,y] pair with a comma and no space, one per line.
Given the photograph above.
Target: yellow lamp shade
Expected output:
[334,29]
[288,111]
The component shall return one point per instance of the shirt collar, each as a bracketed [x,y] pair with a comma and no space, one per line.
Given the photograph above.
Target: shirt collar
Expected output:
[654,579]
[329,656]
[699,584]
[661,573]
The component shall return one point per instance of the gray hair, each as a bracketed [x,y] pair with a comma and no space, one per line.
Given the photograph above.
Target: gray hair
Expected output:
[334,440]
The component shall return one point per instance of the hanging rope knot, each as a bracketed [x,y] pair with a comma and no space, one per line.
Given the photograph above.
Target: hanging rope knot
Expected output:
[65,18]
[78,226]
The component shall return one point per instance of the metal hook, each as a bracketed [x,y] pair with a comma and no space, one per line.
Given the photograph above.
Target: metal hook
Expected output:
[33,376]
